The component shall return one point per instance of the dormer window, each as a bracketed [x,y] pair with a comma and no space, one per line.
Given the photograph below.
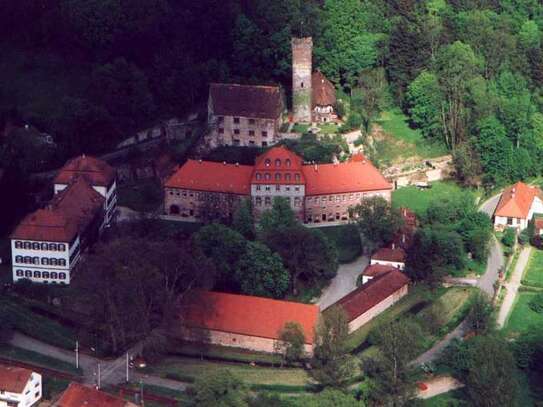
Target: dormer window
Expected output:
[267,163]
[287,162]
[278,162]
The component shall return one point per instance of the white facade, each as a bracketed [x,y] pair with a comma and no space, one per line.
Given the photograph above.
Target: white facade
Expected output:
[30,396]
[397,264]
[44,262]
[110,195]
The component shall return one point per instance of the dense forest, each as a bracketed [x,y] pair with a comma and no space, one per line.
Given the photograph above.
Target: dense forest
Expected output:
[468,73]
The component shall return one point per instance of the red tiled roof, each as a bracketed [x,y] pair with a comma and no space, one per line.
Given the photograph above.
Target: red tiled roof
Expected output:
[388,254]
[95,171]
[516,201]
[356,175]
[257,101]
[375,270]
[212,176]
[281,165]
[323,91]
[538,223]
[13,379]
[372,293]
[247,315]
[68,213]
[77,395]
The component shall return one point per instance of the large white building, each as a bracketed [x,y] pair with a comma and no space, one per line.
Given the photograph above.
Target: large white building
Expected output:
[19,387]
[47,244]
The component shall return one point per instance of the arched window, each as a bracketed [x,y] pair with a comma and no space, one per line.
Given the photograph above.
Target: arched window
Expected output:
[277,162]
[62,247]
[297,177]
[267,162]
[45,261]
[28,273]
[258,201]
[27,245]
[45,274]
[53,247]
[36,260]
[53,262]
[258,176]
[27,260]
[287,177]
[277,176]
[267,176]
[37,274]
[54,274]
[18,244]
[287,162]
[18,259]
[62,276]
[62,262]
[44,246]
[35,246]
[19,273]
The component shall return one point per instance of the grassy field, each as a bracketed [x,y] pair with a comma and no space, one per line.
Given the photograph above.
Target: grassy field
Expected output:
[402,141]
[222,353]
[534,272]
[144,196]
[522,317]
[346,239]
[188,369]
[23,355]
[38,326]
[418,200]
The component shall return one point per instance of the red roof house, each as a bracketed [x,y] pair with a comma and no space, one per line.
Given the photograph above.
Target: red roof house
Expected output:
[13,379]
[245,321]
[278,165]
[372,298]
[517,205]
[96,172]
[77,395]
[389,256]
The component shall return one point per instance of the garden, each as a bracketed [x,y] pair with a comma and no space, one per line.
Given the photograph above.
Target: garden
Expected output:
[534,272]
[523,316]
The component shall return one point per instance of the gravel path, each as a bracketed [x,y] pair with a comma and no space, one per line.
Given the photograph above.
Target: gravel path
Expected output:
[513,285]
[439,385]
[494,264]
[343,283]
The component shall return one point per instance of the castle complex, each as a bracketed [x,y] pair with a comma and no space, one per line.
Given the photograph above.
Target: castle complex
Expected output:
[317,193]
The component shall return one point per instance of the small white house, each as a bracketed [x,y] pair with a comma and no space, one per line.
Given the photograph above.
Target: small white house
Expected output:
[19,387]
[517,206]
[387,256]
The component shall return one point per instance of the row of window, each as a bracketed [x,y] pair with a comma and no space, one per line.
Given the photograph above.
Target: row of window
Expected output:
[204,196]
[44,261]
[326,217]
[277,188]
[277,176]
[237,142]
[268,201]
[55,247]
[237,120]
[267,162]
[251,133]
[332,198]
[40,274]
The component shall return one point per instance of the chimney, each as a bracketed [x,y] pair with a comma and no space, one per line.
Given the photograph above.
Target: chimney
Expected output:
[393,246]
[237,164]
[224,163]
[200,161]
[316,167]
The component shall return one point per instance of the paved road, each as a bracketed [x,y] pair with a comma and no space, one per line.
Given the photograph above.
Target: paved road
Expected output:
[439,347]
[513,285]
[343,283]
[489,206]
[494,264]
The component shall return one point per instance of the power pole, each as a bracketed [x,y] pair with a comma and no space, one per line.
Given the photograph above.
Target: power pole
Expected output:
[77,354]
[127,367]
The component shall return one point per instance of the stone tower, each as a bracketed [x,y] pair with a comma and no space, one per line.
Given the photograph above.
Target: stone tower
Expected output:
[302,49]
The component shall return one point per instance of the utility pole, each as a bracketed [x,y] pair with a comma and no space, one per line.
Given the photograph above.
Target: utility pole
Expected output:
[141,392]
[127,367]
[98,375]
[77,354]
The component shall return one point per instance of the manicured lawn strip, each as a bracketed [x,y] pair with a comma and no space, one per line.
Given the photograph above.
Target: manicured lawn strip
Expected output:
[253,375]
[22,355]
[419,200]
[347,240]
[534,272]
[328,128]
[522,317]
[39,327]
[143,196]
[300,128]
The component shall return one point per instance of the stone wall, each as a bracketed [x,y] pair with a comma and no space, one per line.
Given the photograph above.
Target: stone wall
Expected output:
[302,49]
[242,131]
[377,309]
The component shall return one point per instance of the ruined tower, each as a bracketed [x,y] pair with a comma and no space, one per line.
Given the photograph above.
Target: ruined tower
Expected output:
[302,49]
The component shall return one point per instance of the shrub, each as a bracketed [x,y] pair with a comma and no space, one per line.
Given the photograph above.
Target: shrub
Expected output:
[508,238]
[537,303]
[524,237]
[537,241]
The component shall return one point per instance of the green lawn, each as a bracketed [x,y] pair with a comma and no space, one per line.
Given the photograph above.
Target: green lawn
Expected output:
[522,317]
[38,359]
[347,240]
[188,369]
[300,128]
[143,196]
[534,272]
[328,128]
[403,141]
[418,200]
[38,326]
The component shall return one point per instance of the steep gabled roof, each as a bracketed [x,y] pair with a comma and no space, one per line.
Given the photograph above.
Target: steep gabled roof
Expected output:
[355,175]
[372,293]
[13,379]
[45,225]
[278,165]
[388,254]
[256,101]
[77,395]
[212,176]
[246,315]
[96,172]
[516,200]
[323,91]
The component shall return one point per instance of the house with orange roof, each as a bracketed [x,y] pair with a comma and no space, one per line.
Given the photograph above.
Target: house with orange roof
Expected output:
[78,395]
[517,206]
[243,321]
[317,193]
[19,386]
